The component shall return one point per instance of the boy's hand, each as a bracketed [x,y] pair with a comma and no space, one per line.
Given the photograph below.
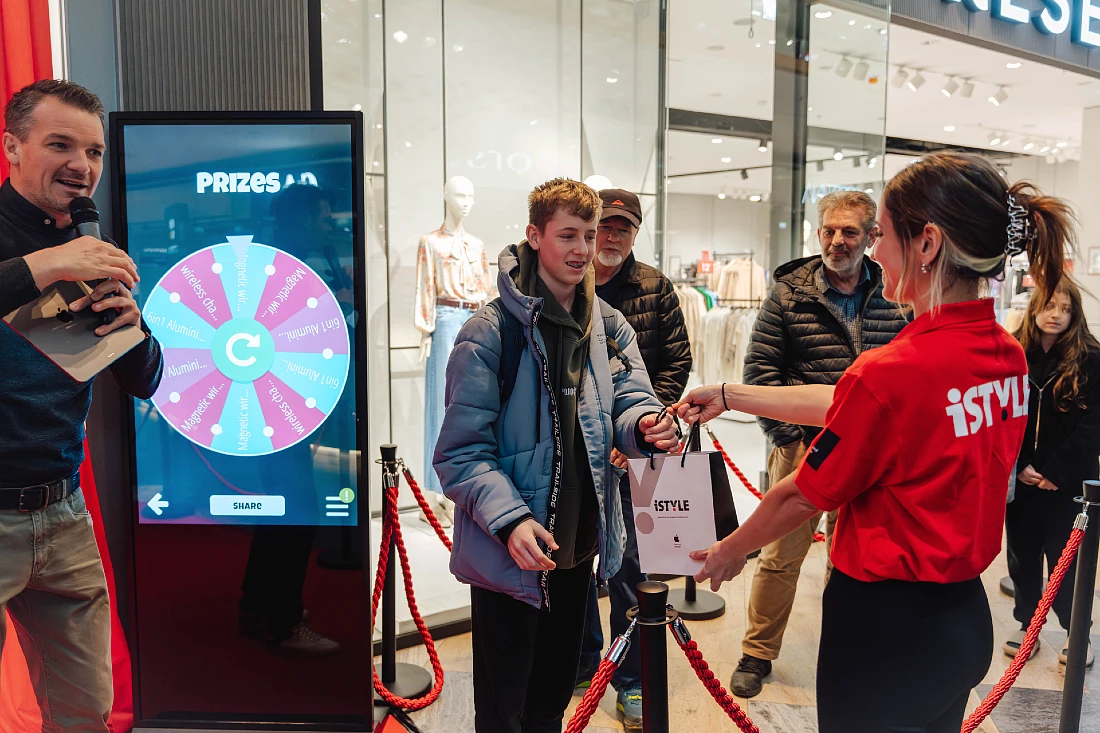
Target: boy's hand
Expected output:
[524,547]
[662,434]
[618,459]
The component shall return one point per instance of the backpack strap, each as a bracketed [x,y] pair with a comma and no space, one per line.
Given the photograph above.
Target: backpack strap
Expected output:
[613,349]
[511,349]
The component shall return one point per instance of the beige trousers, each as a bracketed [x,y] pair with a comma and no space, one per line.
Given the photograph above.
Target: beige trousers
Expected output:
[773,586]
[52,584]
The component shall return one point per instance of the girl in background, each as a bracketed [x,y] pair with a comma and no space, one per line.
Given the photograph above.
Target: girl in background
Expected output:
[1061,449]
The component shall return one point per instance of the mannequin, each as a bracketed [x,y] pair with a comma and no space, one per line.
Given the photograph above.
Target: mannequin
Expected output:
[452,283]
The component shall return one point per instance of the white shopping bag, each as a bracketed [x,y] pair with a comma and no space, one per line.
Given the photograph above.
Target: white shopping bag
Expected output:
[673,511]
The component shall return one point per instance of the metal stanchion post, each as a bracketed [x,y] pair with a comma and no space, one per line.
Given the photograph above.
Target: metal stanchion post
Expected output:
[403,680]
[653,617]
[1081,620]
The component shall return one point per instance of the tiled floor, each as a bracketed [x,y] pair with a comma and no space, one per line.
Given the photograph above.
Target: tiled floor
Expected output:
[786,704]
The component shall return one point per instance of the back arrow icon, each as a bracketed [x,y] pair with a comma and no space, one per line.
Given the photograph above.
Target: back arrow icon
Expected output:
[157,504]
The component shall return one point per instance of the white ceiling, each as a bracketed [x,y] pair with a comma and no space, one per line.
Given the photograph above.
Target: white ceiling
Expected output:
[716,67]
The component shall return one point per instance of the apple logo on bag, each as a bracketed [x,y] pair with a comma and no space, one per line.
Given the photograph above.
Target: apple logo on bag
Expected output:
[675,540]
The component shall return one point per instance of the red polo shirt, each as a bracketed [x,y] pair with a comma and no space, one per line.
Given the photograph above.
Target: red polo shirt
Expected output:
[918,447]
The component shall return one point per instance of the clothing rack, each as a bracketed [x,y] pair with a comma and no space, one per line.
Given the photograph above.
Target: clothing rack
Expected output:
[727,256]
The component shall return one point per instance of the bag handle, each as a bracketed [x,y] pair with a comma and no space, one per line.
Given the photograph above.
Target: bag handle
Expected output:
[692,444]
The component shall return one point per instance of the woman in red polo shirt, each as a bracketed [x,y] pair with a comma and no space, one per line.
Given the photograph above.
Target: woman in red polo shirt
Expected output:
[920,439]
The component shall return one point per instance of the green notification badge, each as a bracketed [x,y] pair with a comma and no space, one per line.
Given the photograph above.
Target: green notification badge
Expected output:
[347,496]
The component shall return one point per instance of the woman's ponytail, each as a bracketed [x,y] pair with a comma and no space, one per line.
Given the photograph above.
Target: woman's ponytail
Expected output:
[1050,236]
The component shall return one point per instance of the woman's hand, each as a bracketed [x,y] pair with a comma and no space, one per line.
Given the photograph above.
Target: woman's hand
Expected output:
[702,404]
[662,433]
[1030,476]
[720,563]
[1047,485]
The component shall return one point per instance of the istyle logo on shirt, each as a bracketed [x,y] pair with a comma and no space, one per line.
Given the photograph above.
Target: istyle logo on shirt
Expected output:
[976,403]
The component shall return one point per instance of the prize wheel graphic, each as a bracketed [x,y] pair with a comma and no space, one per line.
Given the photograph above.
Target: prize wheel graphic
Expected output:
[256,348]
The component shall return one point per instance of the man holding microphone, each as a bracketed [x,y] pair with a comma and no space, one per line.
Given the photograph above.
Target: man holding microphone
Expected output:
[51,577]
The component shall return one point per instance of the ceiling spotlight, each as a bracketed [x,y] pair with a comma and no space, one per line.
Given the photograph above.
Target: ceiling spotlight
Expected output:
[843,67]
[820,166]
[762,146]
[950,88]
[1062,143]
[999,98]
[1013,65]
[1006,141]
[996,139]
[744,175]
[948,128]
[1029,144]
[967,90]
[868,190]
[716,140]
[754,197]
[1045,148]
[916,82]
[722,195]
[838,154]
[871,163]
[860,72]
[899,78]
[727,160]
[823,14]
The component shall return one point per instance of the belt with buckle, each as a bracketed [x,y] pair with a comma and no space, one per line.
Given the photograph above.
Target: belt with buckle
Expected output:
[39,496]
[470,305]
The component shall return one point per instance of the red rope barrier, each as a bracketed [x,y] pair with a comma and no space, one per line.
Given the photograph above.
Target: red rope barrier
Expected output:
[426,508]
[391,530]
[818,536]
[1037,621]
[592,697]
[714,687]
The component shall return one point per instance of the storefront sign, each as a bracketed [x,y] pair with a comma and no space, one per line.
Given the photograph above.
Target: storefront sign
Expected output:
[1056,17]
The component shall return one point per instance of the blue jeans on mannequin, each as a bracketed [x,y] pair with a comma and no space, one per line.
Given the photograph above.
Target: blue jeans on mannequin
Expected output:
[621,590]
[448,322]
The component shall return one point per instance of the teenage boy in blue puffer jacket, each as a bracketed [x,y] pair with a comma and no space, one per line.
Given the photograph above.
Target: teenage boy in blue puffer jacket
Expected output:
[534,490]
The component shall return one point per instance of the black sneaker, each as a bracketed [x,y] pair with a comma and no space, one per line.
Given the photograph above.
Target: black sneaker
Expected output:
[748,680]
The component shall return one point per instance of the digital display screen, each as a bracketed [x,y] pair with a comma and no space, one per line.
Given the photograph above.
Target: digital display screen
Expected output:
[245,238]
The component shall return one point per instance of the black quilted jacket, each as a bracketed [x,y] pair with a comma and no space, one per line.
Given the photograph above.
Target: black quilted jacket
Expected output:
[798,340]
[649,302]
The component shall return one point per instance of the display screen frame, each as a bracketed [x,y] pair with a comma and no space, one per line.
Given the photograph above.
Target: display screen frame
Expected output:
[353,120]
[119,123]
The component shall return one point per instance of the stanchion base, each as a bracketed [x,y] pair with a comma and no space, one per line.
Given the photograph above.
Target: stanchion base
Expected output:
[412,681]
[706,605]
[1008,587]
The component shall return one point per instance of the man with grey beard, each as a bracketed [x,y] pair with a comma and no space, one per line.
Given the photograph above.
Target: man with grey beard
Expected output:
[821,313]
[648,300]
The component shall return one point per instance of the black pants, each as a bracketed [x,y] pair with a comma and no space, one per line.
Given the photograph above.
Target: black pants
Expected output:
[1038,524]
[899,656]
[525,659]
[271,593]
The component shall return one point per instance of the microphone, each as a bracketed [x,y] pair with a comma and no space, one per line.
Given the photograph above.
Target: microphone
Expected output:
[85,218]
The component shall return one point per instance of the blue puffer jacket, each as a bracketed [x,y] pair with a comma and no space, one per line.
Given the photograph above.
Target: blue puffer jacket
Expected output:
[499,465]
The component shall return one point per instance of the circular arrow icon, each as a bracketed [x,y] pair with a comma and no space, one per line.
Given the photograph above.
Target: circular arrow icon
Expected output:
[243,350]
[251,341]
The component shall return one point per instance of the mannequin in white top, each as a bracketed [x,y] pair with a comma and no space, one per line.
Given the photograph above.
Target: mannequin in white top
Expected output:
[452,283]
